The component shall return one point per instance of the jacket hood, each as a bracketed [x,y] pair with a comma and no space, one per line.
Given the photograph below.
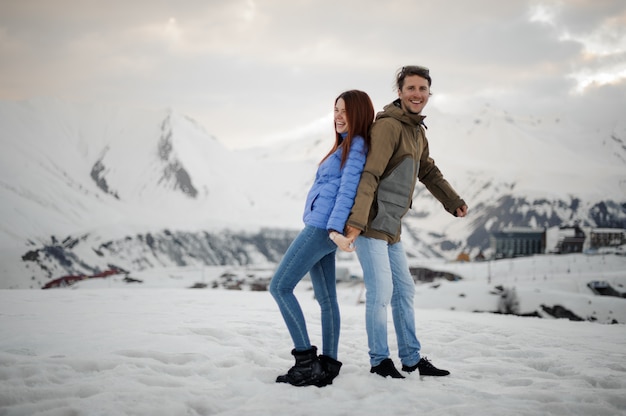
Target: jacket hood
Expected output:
[394,110]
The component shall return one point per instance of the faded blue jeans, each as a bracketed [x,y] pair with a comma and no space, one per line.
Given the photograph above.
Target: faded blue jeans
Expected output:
[312,251]
[388,282]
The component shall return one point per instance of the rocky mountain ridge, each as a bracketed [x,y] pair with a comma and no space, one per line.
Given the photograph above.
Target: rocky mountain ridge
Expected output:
[87,186]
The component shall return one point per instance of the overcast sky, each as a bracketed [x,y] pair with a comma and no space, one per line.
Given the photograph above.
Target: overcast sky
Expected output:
[250,70]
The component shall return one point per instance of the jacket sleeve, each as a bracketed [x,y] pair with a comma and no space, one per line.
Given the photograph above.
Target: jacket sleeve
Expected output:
[384,138]
[430,175]
[350,175]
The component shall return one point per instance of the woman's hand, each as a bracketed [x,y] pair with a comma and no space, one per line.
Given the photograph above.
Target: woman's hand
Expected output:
[344,243]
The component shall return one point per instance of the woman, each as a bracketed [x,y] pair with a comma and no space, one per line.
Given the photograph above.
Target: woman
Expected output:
[327,208]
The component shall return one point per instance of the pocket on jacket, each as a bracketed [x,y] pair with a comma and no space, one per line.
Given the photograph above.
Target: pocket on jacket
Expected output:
[312,203]
[389,216]
[394,197]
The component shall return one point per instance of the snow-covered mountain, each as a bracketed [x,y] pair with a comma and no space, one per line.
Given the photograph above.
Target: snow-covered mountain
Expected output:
[522,172]
[88,186]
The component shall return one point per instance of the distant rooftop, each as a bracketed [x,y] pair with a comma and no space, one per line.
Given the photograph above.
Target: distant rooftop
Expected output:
[522,230]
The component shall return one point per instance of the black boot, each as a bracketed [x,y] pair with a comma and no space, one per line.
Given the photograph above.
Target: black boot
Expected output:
[307,371]
[425,368]
[331,368]
[386,368]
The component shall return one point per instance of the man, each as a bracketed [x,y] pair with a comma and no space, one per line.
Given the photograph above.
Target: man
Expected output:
[398,156]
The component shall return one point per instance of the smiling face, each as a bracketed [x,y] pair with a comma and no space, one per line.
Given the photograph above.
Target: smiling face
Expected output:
[414,94]
[341,120]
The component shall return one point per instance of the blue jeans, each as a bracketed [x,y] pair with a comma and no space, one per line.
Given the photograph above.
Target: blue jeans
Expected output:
[312,251]
[388,281]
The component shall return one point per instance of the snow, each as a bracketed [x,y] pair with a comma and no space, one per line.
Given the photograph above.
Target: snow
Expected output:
[105,347]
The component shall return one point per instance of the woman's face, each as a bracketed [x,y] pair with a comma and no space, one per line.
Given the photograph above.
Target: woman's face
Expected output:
[341,120]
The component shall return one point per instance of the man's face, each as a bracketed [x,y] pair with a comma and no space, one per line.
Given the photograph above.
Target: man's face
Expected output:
[414,94]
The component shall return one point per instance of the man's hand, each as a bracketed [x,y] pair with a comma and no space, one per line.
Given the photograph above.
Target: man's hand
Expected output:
[352,233]
[461,211]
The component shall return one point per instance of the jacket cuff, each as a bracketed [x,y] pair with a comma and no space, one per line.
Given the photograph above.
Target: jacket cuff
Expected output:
[457,206]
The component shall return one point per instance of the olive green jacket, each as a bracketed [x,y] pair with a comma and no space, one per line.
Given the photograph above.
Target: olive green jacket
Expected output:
[398,156]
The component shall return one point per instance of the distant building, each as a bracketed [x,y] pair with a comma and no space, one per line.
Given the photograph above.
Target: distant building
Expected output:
[518,242]
[480,256]
[571,240]
[463,256]
[71,279]
[606,237]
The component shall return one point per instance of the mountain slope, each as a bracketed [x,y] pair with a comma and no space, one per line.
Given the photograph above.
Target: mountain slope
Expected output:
[68,168]
[76,177]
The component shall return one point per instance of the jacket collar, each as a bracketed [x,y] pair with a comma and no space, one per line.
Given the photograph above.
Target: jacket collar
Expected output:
[394,110]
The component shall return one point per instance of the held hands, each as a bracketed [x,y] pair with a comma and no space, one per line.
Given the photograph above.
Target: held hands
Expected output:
[344,243]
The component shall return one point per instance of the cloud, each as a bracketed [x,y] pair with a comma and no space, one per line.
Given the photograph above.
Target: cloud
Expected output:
[600,30]
[248,69]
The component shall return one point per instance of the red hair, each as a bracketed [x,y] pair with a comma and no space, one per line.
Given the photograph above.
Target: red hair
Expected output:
[360,116]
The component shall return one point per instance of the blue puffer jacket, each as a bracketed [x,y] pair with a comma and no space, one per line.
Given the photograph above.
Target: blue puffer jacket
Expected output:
[331,197]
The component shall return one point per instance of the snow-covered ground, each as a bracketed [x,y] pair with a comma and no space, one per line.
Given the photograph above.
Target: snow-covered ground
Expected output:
[105,347]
